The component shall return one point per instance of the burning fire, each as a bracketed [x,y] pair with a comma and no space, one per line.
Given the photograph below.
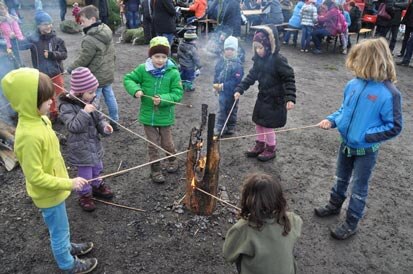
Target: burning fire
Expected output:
[202,162]
[193,183]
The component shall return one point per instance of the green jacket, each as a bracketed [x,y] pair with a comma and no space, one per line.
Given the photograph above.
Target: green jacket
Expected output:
[264,251]
[36,145]
[168,87]
[97,53]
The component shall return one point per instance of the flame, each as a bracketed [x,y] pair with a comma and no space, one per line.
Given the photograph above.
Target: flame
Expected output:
[202,162]
[193,183]
[200,144]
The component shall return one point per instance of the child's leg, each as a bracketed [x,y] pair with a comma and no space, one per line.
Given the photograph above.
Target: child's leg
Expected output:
[110,100]
[96,170]
[168,144]
[269,136]
[99,188]
[59,82]
[58,225]
[260,131]
[363,168]
[222,114]
[344,170]
[232,121]
[152,134]
[259,143]
[87,173]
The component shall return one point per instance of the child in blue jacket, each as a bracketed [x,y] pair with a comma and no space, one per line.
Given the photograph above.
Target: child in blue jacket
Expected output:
[370,114]
[228,74]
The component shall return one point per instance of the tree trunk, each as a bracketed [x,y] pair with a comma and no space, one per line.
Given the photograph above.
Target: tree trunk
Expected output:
[202,171]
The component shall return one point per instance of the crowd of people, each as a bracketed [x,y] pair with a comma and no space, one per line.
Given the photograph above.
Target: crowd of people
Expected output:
[158,83]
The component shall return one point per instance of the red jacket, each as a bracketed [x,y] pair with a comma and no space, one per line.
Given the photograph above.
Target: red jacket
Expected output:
[199,7]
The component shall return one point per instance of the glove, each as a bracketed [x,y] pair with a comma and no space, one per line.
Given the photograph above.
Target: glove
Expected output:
[197,73]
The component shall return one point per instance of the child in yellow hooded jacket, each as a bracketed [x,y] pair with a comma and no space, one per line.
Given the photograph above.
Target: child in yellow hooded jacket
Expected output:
[37,149]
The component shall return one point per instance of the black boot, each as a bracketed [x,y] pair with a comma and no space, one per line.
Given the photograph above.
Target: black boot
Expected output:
[345,230]
[330,209]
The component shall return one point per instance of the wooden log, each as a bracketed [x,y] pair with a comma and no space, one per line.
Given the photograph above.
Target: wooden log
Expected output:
[202,171]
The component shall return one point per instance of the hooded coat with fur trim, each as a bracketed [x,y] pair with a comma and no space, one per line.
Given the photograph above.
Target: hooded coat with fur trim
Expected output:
[276,84]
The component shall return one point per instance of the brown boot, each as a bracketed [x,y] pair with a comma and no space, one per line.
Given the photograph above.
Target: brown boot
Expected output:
[86,203]
[103,191]
[172,165]
[156,173]
[256,150]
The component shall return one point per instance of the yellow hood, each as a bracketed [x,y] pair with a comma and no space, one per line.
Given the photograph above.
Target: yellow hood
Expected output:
[20,88]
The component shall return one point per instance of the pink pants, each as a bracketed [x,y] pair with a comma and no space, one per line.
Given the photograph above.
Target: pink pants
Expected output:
[266,135]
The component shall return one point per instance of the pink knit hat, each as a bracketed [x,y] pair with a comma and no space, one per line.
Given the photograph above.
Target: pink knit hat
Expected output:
[83,81]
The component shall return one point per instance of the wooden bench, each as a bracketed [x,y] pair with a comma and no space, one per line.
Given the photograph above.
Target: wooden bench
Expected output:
[257,27]
[207,21]
[365,32]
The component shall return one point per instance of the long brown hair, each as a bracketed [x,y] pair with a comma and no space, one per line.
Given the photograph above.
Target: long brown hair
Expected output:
[262,198]
[45,89]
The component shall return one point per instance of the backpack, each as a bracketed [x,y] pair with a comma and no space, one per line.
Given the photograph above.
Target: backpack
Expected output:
[69,26]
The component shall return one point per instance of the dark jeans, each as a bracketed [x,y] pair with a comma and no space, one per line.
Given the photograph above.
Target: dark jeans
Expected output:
[318,35]
[409,51]
[359,168]
[406,37]
[63,9]
[225,104]
[132,19]
[383,31]
[287,36]
[187,76]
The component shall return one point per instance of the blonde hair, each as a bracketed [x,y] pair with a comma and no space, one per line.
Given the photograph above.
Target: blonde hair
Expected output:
[371,59]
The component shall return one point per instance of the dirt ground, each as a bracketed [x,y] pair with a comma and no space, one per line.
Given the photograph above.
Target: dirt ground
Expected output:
[171,240]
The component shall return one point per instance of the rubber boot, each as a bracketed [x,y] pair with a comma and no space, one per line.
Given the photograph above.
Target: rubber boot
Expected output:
[267,154]
[256,150]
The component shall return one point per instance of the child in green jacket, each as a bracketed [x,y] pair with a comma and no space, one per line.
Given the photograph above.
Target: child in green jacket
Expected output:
[37,148]
[157,83]
[262,241]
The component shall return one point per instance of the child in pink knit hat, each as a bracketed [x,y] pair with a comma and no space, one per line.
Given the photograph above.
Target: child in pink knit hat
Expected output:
[85,125]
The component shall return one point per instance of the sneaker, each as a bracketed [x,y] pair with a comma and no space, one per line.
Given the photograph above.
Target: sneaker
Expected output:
[267,154]
[86,203]
[114,126]
[302,50]
[230,131]
[306,50]
[344,51]
[103,191]
[402,63]
[317,51]
[256,150]
[327,210]
[285,43]
[81,248]
[172,165]
[82,266]
[343,231]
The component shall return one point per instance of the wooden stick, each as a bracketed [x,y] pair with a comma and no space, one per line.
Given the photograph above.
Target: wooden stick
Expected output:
[229,115]
[135,167]
[215,197]
[117,205]
[275,131]
[172,102]
[180,200]
[125,128]
[120,165]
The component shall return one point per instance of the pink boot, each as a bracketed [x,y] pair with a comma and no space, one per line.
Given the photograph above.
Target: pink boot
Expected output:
[256,150]
[267,154]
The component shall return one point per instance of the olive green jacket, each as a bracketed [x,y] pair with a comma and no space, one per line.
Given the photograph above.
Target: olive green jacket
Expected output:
[97,53]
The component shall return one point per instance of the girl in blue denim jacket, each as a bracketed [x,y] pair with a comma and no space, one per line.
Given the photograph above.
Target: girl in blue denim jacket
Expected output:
[370,114]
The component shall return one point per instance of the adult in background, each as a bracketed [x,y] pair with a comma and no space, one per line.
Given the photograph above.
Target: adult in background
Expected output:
[163,18]
[132,13]
[408,22]
[228,15]
[273,12]
[63,9]
[394,9]
[148,29]
[103,8]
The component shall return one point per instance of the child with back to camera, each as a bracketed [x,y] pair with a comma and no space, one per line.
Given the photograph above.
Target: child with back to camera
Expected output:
[11,32]
[370,114]
[189,60]
[157,84]
[263,239]
[37,149]
[276,91]
[85,125]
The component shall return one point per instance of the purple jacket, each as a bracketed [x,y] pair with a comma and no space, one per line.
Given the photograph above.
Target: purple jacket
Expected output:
[9,25]
[329,20]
